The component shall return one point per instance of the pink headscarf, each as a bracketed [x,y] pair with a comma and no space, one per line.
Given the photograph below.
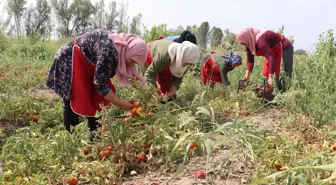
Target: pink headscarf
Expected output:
[250,37]
[129,46]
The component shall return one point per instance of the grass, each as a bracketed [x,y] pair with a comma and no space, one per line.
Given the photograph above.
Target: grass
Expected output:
[42,152]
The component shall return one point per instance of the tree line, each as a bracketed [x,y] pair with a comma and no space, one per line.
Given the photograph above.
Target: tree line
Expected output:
[78,16]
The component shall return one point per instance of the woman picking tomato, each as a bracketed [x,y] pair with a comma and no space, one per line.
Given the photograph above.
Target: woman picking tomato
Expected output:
[215,67]
[271,45]
[82,70]
[185,36]
[167,62]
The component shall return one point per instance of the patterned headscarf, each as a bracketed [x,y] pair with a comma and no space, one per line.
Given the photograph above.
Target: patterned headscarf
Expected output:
[232,58]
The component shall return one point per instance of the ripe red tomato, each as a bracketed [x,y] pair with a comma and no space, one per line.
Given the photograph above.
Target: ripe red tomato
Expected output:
[110,148]
[148,112]
[35,119]
[142,157]
[72,181]
[199,174]
[277,165]
[136,104]
[135,111]
[86,150]
[30,118]
[192,146]
[104,153]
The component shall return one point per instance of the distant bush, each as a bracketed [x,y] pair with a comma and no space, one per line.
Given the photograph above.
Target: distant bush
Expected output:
[3,41]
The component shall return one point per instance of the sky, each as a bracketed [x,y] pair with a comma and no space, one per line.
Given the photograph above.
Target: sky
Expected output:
[303,19]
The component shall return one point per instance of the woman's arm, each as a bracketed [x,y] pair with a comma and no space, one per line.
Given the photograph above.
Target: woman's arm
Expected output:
[223,68]
[249,64]
[121,103]
[153,70]
[105,68]
[250,60]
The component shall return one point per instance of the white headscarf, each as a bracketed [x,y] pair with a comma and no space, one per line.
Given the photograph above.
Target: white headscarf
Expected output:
[186,52]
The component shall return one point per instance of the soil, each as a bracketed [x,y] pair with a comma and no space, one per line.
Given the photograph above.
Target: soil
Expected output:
[8,128]
[222,169]
[44,91]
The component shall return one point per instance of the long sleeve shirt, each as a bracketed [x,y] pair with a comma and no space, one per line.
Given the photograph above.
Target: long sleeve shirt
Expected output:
[98,49]
[264,45]
[161,60]
[221,63]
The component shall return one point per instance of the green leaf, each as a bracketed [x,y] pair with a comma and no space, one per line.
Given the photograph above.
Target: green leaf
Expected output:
[183,138]
[188,120]
[289,180]
[220,128]
[208,149]
[202,110]
[2,133]
[328,167]
[166,135]
[331,133]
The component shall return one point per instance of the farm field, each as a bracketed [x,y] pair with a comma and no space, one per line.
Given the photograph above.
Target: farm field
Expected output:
[232,137]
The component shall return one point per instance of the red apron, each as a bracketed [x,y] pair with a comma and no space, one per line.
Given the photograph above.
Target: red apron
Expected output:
[164,78]
[277,51]
[210,72]
[85,99]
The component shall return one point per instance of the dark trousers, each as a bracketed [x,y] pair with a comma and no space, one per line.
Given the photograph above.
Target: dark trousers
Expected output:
[72,119]
[287,57]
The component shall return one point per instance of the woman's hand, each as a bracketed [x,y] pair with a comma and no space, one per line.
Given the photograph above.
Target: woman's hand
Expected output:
[247,75]
[172,91]
[170,94]
[121,103]
[125,104]
[270,80]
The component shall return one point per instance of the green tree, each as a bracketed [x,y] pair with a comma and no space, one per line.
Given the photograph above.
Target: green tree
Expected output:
[99,17]
[123,19]
[193,29]
[202,33]
[229,41]
[281,31]
[16,9]
[155,32]
[81,11]
[37,19]
[300,52]
[135,25]
[216,37]
[111,16]
[177,31]
[63,13]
